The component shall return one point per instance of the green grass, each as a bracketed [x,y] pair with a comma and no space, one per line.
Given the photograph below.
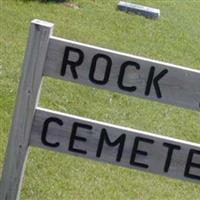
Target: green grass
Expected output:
[173,38]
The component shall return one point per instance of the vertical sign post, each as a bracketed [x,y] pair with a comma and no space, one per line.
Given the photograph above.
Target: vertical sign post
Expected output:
[28,95]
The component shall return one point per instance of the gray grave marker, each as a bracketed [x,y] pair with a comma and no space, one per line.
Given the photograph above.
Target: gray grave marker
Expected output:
[139,9]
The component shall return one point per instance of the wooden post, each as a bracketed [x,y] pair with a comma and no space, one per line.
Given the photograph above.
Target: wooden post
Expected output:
[28,94]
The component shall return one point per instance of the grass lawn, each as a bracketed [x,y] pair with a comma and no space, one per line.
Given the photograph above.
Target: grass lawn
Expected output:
[173,38]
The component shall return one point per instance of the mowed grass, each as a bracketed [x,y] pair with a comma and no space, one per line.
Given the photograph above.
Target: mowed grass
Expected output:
[173,38]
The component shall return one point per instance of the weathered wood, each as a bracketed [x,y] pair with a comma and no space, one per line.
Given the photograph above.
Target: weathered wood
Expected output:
[28,94]
[105,69]
[117,145]
[127,74]
[149,12]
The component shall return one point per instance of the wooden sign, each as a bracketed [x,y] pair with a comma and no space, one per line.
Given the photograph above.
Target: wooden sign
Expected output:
[124,73]
[116,145]
[97,67]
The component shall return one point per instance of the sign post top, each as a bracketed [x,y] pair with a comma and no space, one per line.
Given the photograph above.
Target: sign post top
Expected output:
[42,23]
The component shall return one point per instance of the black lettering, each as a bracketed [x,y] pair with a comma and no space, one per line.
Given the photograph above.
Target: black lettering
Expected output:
[135,151]
[74,137]
[104,137]
[190,164]
[45,129]
[122,73]
[171,148]
[72,64]
[155,80]
[93,68]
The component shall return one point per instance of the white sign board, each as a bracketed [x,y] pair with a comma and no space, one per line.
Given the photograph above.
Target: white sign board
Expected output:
[117,145]
[124,73]
[93,66]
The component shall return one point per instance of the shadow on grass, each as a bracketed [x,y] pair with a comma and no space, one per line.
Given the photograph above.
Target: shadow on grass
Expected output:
[66,3]
[48,1]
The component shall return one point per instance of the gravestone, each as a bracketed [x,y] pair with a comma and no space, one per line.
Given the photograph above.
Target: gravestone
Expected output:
[139,9]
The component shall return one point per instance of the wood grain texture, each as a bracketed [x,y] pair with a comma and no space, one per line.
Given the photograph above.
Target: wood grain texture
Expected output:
[107,143]
[28,94]
[142,77]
